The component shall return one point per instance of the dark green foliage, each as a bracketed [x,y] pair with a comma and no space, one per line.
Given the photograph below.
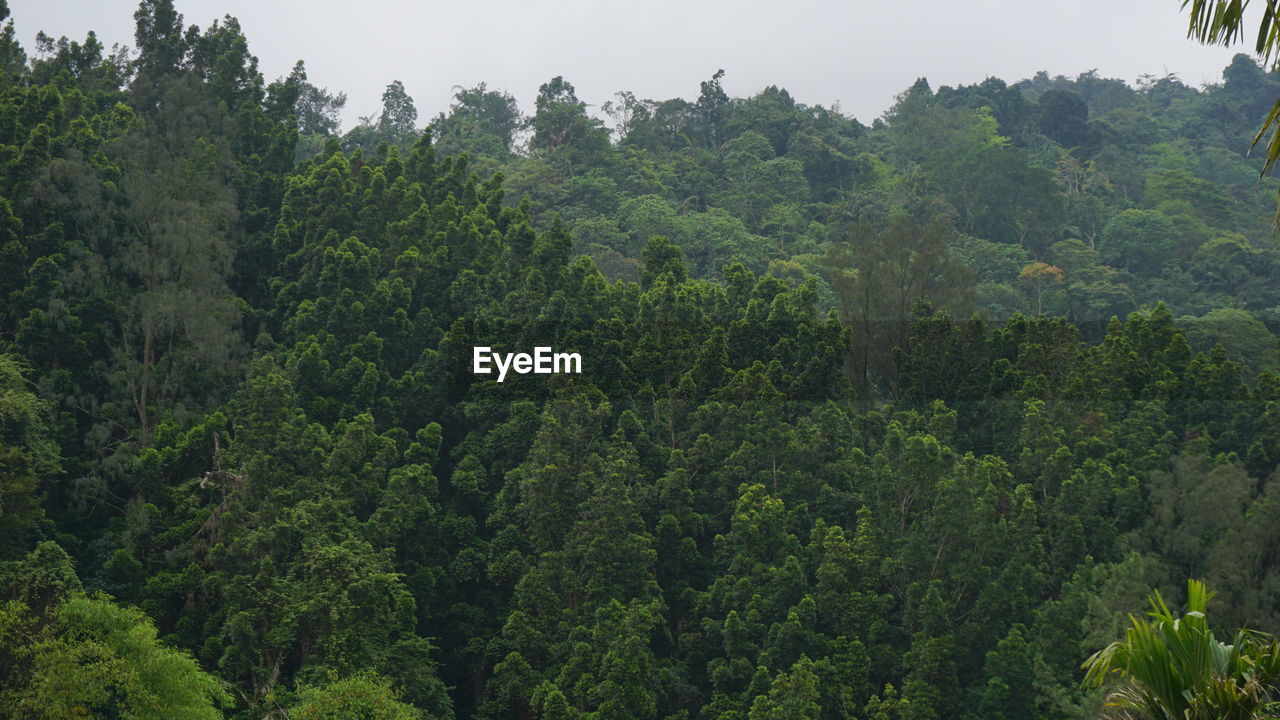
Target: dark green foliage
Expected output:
[1140,241]
[878,422]
[1064,118]
[29,458]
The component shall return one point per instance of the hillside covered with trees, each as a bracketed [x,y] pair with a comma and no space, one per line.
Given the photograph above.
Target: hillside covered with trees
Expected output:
[886,421]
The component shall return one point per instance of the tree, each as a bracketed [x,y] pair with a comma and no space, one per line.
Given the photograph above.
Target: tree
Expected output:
[65,654]
[628,113]
[563,131]
[879,274]
[1243,335]
[756,180]
[395,125]
[792,695]
[220,58]
[1038,276]
[662,257]
[166,271]
[1140,241]
[315,109]
[12,58]
[398,116]
[1173,667]
[1095,292]
[712,107]
[1011,675]
[1064,118]
[28,456]
[161,45]
[1221,22]
[484,112]
[362,696]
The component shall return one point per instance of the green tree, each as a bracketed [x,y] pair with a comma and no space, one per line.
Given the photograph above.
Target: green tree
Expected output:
[1221,22]
[879,274]
[65,654]
[29,457]
[563,130]
[362,696]
[167,271]
[793,695]
[399,116]
[1064,118]
[162,48]
[756,180]
[316,109]
[396,123]
[481,119]
[1171,666]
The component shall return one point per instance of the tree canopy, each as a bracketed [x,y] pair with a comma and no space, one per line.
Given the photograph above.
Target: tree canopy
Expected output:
[877,420]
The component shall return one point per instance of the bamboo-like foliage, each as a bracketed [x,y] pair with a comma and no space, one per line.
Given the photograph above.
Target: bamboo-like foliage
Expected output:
[1172,667]
[1221,22]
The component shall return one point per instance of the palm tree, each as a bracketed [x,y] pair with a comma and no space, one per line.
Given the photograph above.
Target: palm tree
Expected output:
[1221,22]
[1172,668]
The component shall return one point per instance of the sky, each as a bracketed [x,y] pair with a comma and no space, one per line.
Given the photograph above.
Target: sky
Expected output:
[857,54]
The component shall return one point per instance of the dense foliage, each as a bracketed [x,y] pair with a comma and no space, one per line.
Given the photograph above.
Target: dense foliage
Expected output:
[882,422]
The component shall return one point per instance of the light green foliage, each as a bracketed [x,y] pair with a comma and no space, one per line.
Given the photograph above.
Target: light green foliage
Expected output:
[757,181]
[929,132]
[793,695]
[1174,666]
[994,262]
[29,457]
[68,655]
[362,696]
[563,132]
[1243,335]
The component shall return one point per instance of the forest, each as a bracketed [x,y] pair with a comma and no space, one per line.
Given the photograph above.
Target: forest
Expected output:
[898,420]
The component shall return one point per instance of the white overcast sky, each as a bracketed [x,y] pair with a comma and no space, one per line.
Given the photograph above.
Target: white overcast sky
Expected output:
[858,53]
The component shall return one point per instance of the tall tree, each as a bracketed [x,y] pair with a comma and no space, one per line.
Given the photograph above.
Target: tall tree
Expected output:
[166,272]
